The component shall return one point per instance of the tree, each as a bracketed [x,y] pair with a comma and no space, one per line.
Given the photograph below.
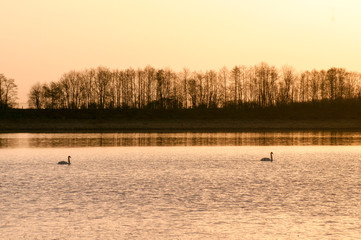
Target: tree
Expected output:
[160,87]
[149,82]
[236,74]
[288,78]
[315,85]
[102,86]
[89,79]
[266,77]
[54,93]
[2,89]
[200,88]
[8,92]
[332,78]
[223,78]
[212,89]
[36,96]
[185,75]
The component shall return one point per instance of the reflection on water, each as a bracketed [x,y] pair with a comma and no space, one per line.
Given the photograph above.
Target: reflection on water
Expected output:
[178,139]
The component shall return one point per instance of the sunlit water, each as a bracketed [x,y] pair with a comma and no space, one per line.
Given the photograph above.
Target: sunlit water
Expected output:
[183,189]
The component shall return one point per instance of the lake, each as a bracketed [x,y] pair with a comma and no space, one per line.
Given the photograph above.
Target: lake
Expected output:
[181,186]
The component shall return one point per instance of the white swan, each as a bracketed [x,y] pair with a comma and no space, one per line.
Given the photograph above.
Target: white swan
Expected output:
[64,162]
[268,159]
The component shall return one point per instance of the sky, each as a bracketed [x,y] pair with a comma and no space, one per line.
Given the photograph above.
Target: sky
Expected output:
[41,39]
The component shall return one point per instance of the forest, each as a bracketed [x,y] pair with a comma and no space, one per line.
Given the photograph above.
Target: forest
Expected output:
[259,86]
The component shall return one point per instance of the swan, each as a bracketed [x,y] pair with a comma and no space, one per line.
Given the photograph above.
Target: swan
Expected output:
[64,162]
[268,159]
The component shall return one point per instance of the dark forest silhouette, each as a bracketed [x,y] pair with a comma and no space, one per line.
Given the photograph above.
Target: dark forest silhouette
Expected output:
[149,99]
[258,86]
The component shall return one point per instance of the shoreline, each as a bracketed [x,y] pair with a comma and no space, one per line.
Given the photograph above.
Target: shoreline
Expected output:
[182,125]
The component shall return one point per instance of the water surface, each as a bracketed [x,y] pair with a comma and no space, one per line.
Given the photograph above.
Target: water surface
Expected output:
[178,192]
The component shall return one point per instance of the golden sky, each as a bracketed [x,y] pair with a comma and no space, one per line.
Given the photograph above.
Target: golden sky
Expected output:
[42,39]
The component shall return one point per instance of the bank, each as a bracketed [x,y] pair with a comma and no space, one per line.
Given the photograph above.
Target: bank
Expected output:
[291,118]
[183,125]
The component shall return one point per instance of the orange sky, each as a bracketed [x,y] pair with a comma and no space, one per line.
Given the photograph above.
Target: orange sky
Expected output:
[41,39]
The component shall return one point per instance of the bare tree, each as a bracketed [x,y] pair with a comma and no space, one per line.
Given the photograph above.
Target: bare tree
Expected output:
[141,88]
[200,88]
[223,76]
[8,92]
[341,82]
[36,96]
[150,82]
[2,89]
[352,85]
[332,79]
[185,76]
[288,78]
[192,89]
[236,74]
[102,86]
[266,77]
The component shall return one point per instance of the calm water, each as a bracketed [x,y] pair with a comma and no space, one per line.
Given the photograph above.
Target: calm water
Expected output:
[181,186]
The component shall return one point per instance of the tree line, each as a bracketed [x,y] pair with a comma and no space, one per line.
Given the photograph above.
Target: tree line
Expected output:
[261,85]
[8,92]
